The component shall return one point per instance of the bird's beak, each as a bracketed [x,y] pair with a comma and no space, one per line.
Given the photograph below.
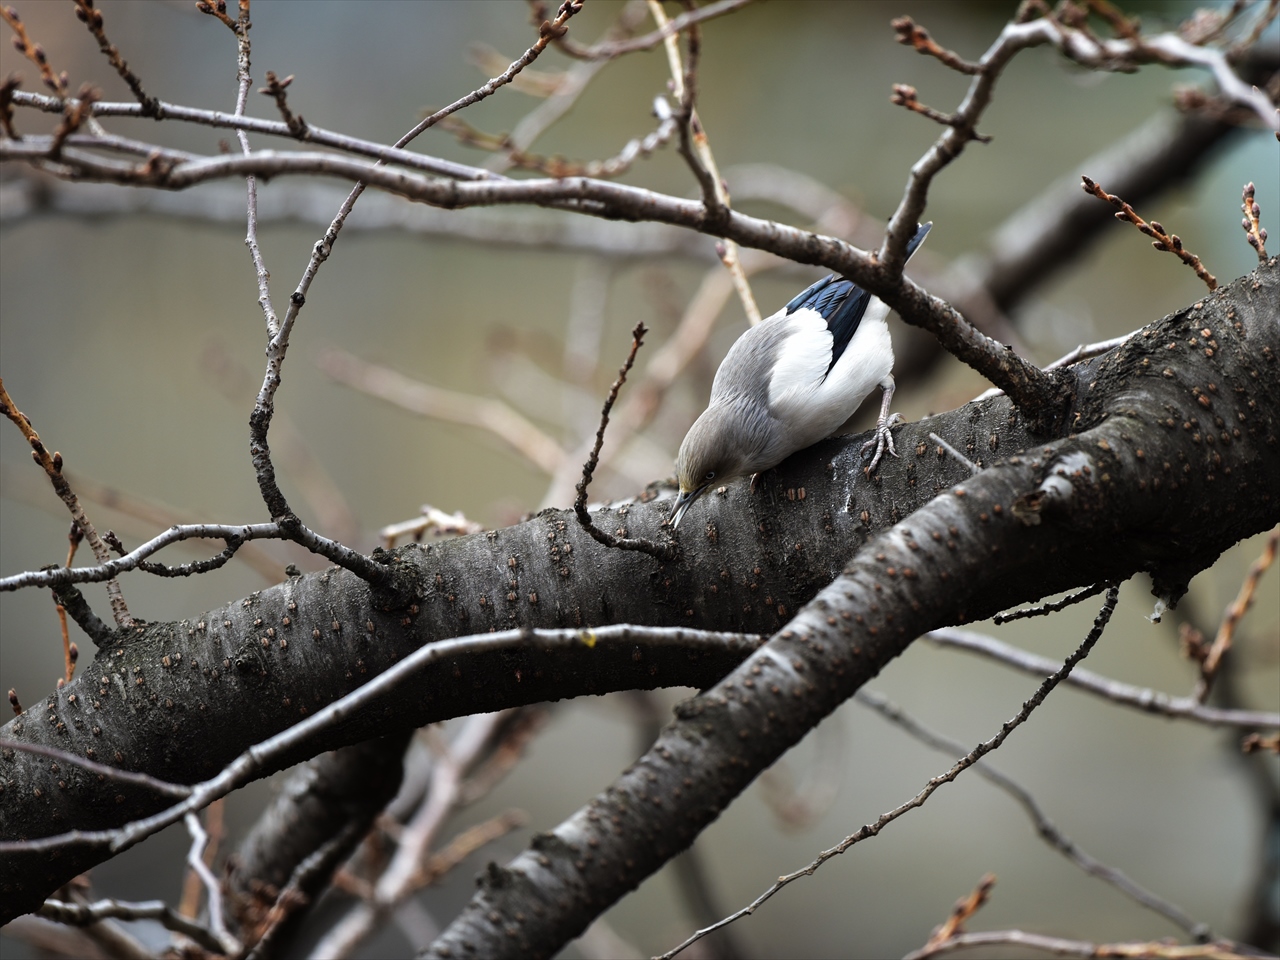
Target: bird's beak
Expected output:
[683,502]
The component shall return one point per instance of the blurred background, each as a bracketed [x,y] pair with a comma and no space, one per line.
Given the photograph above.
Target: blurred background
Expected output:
[134,342]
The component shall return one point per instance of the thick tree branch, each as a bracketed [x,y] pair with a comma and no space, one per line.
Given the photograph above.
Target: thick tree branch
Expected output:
[972,551]
[292,648]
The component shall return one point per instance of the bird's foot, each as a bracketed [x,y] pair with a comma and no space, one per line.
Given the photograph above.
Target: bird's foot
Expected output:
[882,441]
[755,481]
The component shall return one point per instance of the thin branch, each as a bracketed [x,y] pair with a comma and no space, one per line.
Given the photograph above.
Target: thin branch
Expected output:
[575,81]
[91,17]
[615,166]
[52,465]
[1231,618]
[696,150]
[71,601]
[193,882]
[1256,232]
[956,454]
[1163,240]
[963,911]
[968,760]
[262,756]
[57,82]
[609,50]
[906,96]
[213,892]
[1125,694]
[1048,608]
[519,433]
[162,787]
[275,128]
[83,915]
[434,520]
[264,406]
[913,35]
[1046,829]
[405,872]
[1154,950]
[662,551]
[56,576]
[277,90]
[151,514]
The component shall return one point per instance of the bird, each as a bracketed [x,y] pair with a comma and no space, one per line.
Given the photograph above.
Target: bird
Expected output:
[791,381]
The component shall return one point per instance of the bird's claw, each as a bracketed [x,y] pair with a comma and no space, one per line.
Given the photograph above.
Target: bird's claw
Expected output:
[882,441]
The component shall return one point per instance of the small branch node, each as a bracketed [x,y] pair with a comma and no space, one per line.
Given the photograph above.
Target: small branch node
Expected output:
[905,95]
[911,34]
[1256,232]
[276,89]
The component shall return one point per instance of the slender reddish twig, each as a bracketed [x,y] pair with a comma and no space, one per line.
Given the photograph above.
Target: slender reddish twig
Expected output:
[1163,240]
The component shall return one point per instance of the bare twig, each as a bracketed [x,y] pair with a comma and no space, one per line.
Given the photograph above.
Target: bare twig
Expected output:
[91,17]
[1046,829]
[249,764]
[1163,241]
[964,910]
[968,760]
[1155,950]
[906,96]
[70,652]
[609,50]
[956,454]
[1231,618]
[264,407]
[56,576]
[913,35]
[434,520]
[498,418]
[162,787]
[1256,741]
[1256,232]
[1048,608]
[466,843]
[193,882]
[409,869]
[152,514]
[277,89]
[620,163]
[1142,698]
[276,128]
[81,915]
[696,150]
[213,892]
[57,82]
[662,551]
[52,465]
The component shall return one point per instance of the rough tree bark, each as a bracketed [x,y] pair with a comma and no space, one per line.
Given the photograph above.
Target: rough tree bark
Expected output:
[1172,456]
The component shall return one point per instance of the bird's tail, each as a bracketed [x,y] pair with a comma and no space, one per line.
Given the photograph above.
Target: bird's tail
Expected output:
[922,231]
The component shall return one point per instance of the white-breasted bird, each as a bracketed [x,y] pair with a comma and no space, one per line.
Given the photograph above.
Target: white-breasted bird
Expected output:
[791,381]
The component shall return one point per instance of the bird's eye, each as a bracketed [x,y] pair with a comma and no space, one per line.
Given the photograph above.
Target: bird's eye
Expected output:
[711,475]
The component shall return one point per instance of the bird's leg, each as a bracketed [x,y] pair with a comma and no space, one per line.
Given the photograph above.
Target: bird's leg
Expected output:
[883,440]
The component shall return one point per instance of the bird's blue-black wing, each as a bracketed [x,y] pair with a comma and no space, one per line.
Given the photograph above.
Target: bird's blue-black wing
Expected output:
[841,303]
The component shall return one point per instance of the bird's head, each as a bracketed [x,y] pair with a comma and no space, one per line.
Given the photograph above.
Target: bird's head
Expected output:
[718,447]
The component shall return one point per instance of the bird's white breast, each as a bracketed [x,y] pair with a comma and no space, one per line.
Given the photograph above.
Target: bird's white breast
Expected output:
[811,401]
